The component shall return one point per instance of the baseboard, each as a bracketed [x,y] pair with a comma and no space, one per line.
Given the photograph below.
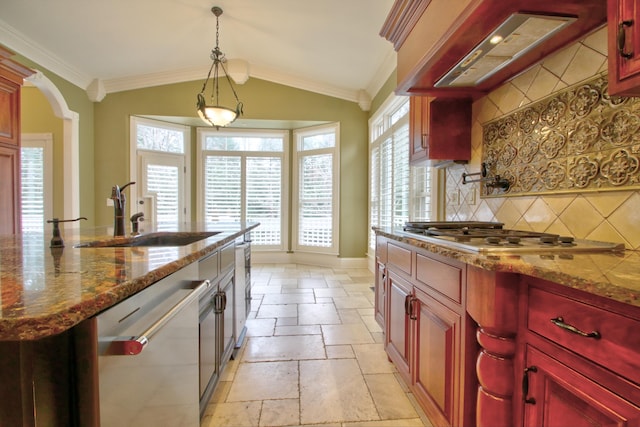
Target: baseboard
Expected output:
[321,260]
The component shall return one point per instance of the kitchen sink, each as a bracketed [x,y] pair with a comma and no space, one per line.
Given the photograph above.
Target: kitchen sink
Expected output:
[179,238]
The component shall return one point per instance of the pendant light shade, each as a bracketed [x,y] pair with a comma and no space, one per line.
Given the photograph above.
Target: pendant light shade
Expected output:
[213,113]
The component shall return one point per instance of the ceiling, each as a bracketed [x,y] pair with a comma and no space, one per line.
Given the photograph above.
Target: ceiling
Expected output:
[329,46]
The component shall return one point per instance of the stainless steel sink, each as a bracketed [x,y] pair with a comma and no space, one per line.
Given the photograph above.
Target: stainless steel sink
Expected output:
[179,238]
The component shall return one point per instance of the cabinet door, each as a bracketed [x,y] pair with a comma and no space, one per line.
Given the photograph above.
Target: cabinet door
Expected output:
[9,190]
[624,47]
[418,128]
[380,291]
[439,129]
[10,112]
[398,327]
[558,396]
[437,368]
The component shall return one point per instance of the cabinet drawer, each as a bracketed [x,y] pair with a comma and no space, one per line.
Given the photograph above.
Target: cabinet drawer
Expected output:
[444,278]
[399,257]
[617,347]
[227,258]
[208,266]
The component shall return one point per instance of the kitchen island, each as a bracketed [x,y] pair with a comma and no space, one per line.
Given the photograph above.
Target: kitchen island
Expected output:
[49,297]
[502,339]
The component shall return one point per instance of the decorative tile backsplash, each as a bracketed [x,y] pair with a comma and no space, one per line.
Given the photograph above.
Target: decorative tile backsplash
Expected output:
[579,139]
[586,214]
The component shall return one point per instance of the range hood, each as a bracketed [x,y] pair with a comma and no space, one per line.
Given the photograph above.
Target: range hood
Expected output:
[519,34]
[467,48]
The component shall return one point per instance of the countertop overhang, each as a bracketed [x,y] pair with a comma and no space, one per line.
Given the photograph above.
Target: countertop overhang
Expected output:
[45,291]
[614,275]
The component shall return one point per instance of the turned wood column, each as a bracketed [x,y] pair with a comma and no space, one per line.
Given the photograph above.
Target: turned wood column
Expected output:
[492,301]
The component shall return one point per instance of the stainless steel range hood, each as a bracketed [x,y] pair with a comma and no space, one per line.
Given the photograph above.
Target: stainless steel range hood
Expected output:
[517,35]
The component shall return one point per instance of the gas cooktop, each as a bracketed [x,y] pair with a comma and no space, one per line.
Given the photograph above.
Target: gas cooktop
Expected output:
[489,237]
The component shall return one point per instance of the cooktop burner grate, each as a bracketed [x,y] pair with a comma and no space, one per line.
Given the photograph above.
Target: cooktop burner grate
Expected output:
[491,237]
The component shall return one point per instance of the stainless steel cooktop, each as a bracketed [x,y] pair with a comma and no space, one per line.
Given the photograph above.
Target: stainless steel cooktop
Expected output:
[491,237]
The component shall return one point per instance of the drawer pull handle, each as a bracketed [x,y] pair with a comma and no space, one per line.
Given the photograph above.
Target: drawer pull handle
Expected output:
[559,322]
[525,385]
[622,39]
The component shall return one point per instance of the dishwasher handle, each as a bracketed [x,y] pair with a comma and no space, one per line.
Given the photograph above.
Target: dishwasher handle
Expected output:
[130,346]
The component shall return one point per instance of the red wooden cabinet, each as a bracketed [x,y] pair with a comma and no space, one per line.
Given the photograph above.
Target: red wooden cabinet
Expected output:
[432,36]
[624,47]
[397,340]
[557,396]
[439,129]
[428,335]
[11,78]
[580,364]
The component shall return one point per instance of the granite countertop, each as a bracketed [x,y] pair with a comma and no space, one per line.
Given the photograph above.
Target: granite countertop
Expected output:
[46,291]
[614,275]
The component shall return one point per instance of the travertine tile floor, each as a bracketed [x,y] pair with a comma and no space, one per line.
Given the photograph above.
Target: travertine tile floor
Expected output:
[313,356]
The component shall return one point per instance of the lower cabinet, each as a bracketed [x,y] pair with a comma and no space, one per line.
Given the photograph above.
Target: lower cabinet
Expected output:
[428,335]
[436,368]
[498,349]
[580,363]
[398,327]
[555,394]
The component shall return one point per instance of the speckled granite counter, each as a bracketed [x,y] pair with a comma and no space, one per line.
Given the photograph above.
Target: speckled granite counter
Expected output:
[613,275]
[46,291]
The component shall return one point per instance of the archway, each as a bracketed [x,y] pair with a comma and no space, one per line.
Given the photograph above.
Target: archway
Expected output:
[71,153]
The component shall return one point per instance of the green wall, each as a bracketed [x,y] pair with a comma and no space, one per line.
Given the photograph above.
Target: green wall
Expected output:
[262,100]
[78,102]
[37,116]
[104,138]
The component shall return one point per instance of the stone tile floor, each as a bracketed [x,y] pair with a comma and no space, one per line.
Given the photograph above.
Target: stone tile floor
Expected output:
[313,356]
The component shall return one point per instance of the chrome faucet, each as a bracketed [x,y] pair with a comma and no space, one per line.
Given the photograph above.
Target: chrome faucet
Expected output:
[119,202]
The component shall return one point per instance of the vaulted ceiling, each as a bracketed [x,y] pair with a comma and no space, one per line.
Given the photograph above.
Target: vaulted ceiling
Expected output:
[327,46]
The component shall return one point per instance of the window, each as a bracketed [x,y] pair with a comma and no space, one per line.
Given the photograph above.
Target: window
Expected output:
[316,179]
[161,153]
[36,180]
[398,192]
[243,178]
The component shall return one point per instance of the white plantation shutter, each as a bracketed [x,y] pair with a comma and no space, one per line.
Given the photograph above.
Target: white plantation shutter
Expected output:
[244,180]
[36,157]
[389,179]
[32,176]
[315,208]
[264,198]
[163,181]
[160,170]
[316,182]
[223,188]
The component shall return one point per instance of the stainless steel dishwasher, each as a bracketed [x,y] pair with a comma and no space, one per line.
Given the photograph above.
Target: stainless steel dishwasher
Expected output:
[148,355]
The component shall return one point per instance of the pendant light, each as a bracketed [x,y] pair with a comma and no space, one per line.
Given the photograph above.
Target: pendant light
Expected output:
[213,113]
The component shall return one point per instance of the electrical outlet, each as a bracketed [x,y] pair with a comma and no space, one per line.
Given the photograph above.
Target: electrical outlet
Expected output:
[109,202]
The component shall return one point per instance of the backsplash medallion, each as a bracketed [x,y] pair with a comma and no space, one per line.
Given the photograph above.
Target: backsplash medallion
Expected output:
[577,140]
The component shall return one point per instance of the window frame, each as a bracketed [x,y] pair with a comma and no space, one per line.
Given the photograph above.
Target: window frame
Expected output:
[201,155]
[136,160]
[298,136]
[380,127]
[44,141]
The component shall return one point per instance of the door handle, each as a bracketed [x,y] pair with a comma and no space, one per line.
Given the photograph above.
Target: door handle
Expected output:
[525,385]
[123,346]
[559,322]
[622,38]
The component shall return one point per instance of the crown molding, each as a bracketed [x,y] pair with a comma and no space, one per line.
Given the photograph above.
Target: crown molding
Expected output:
[21,44]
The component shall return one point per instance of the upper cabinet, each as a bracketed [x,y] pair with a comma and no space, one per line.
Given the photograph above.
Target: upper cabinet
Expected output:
[439,129]
[467,48]
[624,47]
[11,79]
